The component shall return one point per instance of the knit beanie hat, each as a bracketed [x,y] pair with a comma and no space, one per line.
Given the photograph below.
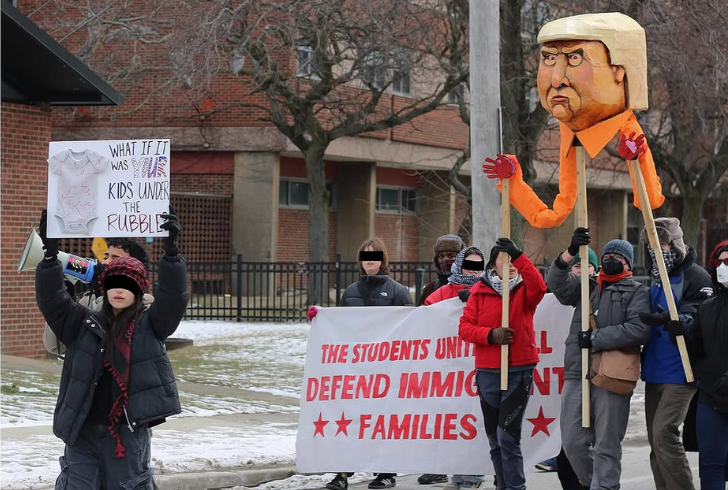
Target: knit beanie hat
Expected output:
[621,247]
[592,259]
[126,273]
[668,231]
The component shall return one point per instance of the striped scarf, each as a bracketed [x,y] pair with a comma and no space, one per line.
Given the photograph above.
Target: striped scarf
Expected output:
[116,362]
[496,283]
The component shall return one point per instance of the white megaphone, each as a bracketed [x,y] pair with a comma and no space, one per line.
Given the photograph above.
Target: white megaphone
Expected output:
[76,267]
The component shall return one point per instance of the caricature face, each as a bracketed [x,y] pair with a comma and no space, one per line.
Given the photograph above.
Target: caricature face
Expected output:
[577,84]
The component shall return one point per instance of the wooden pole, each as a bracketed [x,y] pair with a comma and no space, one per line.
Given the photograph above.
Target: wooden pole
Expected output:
[505,232]
[664,278]
[582,220]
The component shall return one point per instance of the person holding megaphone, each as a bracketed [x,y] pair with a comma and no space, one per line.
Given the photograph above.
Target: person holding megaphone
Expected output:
[117,381]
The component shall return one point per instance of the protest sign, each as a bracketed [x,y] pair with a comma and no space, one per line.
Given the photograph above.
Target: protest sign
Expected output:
[392,389]
[115,188]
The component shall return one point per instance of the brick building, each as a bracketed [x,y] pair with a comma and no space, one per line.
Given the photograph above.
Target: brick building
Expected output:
[37,74]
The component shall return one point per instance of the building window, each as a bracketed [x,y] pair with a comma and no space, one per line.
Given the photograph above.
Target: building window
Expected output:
[401,82]
[307,64]
[294,193]
[396,200]
[373,70]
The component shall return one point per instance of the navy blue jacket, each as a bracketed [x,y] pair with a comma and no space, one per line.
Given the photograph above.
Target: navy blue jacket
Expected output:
[691,285]
[152,389]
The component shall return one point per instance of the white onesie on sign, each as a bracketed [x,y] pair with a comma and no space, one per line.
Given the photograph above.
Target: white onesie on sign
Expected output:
[77,188]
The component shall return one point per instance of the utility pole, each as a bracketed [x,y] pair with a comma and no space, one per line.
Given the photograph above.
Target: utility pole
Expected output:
[485,129]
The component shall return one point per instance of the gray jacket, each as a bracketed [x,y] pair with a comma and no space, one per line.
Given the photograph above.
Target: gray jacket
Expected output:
[153,392]
[616,308]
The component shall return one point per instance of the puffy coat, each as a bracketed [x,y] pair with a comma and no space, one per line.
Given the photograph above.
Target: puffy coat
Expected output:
[377,290]
[617,308]
[444,292]
[482,313]
[152,389]
[708,344]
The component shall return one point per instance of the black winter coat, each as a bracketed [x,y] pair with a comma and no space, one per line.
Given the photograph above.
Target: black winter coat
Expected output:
[152,389]
[708,344]
[378,290]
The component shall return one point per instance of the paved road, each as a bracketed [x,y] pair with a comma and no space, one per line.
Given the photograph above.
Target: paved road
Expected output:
[636,475]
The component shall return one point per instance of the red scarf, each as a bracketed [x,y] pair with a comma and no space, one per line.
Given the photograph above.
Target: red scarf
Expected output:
[603,278]
[118,365]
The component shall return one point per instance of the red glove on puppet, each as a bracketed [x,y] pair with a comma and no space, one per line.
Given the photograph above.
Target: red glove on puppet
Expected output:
[312,311]
[501,168]
[632,148]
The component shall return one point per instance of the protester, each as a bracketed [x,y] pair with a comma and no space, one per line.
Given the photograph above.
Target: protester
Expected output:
[667,392]
[446,249]
[503,411]
[467,269]
[708,342]
[374,288]
[117,380]
[616,301]
[93,298]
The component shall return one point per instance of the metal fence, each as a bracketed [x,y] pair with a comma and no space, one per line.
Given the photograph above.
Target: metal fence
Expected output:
[278,291]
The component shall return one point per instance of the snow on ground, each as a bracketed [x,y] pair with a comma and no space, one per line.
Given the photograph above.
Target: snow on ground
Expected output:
[264,358]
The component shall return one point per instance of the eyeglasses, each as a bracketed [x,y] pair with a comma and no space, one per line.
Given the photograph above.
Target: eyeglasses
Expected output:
[722,261]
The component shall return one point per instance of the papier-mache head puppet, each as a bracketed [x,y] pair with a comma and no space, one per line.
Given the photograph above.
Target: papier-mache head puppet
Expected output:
[592,75]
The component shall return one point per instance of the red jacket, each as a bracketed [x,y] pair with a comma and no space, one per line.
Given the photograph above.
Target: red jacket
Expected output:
[444,292]
[483,313]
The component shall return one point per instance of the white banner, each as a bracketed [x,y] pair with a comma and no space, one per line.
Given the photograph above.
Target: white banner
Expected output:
[107,188]
[392,389]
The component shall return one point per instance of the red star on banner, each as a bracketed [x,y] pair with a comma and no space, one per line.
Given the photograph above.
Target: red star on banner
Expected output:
[541,423]
[320,424]
[343,423]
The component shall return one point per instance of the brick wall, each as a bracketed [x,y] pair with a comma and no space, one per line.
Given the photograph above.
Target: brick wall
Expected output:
[400,234]
[293,235]
[26,132]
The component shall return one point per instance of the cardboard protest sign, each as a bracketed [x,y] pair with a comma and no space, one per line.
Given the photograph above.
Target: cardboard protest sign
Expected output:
[392,389]
[115,188]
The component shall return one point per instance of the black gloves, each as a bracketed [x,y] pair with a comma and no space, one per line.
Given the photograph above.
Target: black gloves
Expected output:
[654,319]
[173,226]
[585,341]
[502,335]
[675,328]
[580,237]
[50,245]
[506,245]
[464,294]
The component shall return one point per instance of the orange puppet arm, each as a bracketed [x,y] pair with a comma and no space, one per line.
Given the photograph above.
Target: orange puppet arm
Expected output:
[647,167]
[535,211]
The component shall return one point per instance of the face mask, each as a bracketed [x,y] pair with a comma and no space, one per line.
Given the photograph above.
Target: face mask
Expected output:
[721,273]
[612,267]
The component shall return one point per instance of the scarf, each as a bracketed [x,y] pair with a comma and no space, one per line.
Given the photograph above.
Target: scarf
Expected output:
[456,272]
[606,279]
[116,362]
[669,258]
[497,283]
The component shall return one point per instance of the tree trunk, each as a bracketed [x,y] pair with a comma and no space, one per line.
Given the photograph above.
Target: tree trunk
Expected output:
[318,222]
[692,212]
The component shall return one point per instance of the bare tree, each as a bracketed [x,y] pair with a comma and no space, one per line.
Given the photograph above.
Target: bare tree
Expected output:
[687,124]
[327,69]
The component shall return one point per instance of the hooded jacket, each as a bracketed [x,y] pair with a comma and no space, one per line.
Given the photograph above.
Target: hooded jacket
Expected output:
[152,388]
[482,313]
